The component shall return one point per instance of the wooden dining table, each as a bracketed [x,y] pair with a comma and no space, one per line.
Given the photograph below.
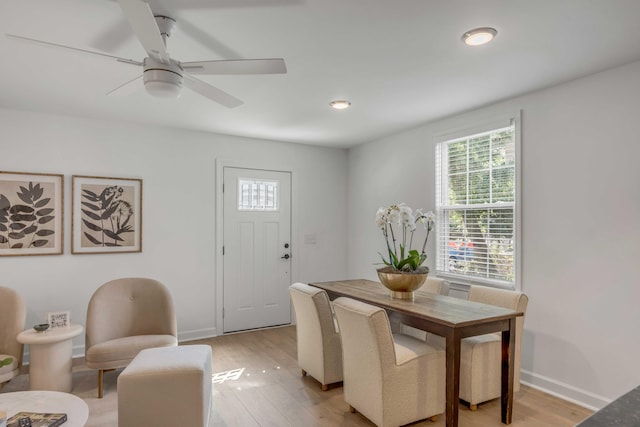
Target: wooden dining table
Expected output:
[449,317]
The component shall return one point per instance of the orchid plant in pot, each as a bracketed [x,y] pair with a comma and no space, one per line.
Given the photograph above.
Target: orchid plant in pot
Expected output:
[404,271]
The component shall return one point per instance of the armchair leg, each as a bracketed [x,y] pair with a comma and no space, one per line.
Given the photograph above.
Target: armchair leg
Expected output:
[352,409]
[304,373]
[433,418]
[325,387]
[473,407]
[101,380]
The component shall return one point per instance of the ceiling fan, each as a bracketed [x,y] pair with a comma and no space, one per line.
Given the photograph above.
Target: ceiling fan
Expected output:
[163,76]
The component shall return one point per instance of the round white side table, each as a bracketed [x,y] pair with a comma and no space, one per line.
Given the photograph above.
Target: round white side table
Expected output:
[50,357]
[46,401]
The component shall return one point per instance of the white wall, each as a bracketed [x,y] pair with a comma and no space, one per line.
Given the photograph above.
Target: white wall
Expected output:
[581,206]
[580,236]
[178,172]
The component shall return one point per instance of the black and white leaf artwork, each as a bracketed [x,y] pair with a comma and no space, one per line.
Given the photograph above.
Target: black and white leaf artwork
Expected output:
[106,211]
[26,215]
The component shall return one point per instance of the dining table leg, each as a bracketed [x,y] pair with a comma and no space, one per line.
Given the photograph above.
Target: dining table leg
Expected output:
[508,362]
[453,378]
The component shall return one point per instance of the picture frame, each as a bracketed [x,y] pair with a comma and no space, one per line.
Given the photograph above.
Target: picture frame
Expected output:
[59,319]
[31,213]
[106,215]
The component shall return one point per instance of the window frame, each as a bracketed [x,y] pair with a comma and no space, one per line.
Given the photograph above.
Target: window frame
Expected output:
[460,132]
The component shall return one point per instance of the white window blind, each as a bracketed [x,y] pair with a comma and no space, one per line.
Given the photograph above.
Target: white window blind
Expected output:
[476,205]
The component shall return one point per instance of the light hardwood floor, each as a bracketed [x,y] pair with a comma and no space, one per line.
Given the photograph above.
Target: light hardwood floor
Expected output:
[272,392]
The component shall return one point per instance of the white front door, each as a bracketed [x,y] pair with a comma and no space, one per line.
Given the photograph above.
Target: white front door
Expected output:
[257,248]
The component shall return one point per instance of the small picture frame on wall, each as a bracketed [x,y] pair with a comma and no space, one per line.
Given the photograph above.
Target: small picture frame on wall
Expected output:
[31,213]
[106,215]
[59,319]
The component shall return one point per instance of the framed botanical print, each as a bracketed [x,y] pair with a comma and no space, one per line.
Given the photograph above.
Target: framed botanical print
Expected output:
[106,215]
[31,217]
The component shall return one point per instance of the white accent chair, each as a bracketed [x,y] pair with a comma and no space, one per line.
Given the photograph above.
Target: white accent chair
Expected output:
[125,316]
[12,317]
[480,359]
[392,379]
[318,339]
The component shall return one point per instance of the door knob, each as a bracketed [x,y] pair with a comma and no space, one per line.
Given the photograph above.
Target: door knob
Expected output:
[286,256]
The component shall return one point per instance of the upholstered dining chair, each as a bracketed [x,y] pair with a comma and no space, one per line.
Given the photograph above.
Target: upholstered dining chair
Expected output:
[12,318]
[125,316]
[435,285]
[318,340]
[480,356]
[392,379]
[432,285]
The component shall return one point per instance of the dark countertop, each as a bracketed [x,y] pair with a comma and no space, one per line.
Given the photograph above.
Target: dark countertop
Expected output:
[622,412]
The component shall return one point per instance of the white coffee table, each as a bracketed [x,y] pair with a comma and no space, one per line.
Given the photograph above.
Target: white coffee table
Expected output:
[46,401]
[50,357]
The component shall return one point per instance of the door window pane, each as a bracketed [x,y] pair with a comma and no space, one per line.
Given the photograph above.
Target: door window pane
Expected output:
[257,195]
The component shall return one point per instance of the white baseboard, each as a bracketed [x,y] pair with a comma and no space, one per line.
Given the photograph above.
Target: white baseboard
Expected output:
[563,391]
[548,385]
[198,334]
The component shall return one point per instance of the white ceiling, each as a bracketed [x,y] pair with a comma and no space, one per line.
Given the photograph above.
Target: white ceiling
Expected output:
[401,63]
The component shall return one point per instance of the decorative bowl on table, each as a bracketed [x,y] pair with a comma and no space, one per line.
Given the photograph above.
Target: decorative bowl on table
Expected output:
[41,327]
[402,283]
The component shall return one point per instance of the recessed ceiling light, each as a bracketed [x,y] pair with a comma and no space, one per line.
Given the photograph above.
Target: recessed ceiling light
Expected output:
[479,36]
[340,104]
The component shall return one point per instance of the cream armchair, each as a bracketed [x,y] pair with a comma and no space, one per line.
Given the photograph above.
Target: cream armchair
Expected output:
[394,379]
[12,318]
[125,316]
[318,340]
[480,359]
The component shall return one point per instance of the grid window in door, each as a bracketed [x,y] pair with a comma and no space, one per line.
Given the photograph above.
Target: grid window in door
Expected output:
[257,195]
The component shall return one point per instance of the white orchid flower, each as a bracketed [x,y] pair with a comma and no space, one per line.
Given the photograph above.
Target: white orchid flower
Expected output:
[407,219]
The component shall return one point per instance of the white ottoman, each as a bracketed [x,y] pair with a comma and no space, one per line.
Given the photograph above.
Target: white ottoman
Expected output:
[166,387]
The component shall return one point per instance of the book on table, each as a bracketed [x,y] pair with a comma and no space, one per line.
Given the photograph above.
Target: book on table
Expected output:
[36,419]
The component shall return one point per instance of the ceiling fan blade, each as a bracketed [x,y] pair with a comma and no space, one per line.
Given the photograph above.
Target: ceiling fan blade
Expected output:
[211,92]
[207,40]
[143,23]
[237,66]
[113,37]
[74,49]
[128,88]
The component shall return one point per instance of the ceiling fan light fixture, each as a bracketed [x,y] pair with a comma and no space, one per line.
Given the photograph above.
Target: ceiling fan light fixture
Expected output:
[162,80]
[479,36]
[161,89]
[163,84]
[340,104]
